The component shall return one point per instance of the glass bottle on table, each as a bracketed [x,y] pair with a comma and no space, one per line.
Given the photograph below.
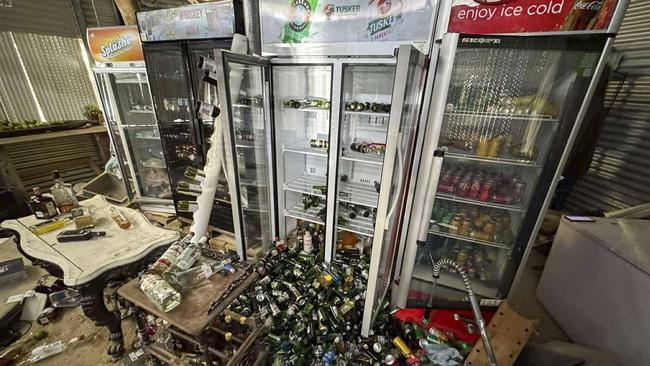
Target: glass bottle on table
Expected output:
[63,194]
[229,347]
[43,206]
[185,260]
[119,218]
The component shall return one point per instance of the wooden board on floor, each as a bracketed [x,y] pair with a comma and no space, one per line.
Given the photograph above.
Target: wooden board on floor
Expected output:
[508,332]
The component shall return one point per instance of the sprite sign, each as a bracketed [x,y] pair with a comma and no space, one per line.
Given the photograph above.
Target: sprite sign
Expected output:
[296,29]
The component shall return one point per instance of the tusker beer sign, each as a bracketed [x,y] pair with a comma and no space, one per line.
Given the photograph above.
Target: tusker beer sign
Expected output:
[520,16]
[115,44]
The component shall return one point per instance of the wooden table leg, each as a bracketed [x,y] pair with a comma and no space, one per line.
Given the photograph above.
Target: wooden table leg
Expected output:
[92,304]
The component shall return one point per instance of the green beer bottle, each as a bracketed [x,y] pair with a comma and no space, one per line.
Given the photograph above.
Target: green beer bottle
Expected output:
[297,27]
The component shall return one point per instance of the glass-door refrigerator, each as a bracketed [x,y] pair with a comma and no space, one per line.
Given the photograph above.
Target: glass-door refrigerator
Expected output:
[174,41]
[502,118]
[340,151]
[132,125]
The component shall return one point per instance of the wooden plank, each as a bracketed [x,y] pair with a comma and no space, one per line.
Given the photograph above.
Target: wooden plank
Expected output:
[128,8]
[508,332]
[52,135]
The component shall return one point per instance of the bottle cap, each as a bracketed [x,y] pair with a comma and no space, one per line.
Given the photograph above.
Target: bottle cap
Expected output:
[228,319]
[228,336]
[243,320]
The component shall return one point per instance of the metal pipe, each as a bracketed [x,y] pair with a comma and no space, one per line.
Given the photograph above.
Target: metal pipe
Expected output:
[437,267]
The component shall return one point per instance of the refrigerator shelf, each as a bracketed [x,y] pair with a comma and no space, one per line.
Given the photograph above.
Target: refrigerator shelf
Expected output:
[246,106]
[453,280]
[377,159]
[141,111]
[305,183]
[253,182]
[133,80]
[359,225]
[140,126]
[450,197]
[468,239]
[256,209]
[371,114]
[303,147]
[458,154]
[307,109]
[297,211]
[249,145]
[513,117]
[358,194]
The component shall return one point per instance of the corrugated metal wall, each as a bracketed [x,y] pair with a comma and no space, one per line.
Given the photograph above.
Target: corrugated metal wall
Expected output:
[40,16]
[99,13]
[58,74]
[16,99]
[619,173]
[78,159]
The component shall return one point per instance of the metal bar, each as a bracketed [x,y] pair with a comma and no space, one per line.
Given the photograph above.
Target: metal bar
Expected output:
[332,170]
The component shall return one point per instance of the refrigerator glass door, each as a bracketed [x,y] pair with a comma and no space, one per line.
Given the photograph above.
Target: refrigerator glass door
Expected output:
[141,139]
[204,91]
[244,89]
[406,101]
[301,97]
[511,105]
[365,112]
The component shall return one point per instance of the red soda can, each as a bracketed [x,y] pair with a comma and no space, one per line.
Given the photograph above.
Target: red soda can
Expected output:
[486,189]
[446,187]
[502,199]
[474,189]
[463,187]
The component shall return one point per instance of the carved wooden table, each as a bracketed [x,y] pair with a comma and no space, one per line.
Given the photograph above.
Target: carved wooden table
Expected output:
[89,265]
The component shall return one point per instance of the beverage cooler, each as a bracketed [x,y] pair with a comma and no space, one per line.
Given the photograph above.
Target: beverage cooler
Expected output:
[174,41]
[504,113]
[338,156]
[132,124]
[124,90]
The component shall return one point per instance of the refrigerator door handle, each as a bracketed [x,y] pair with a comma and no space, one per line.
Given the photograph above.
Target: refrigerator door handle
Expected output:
[400,164]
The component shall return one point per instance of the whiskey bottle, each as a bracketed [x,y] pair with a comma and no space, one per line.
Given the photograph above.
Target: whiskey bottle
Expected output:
[42,206]
[63,194]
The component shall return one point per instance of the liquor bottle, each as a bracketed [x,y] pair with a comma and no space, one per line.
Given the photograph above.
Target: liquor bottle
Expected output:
[307,244]
[207,110]
[63,194]
[194,276]
[162,294]
[194,173]
[185,260]
[229,347]
[351,106]
[188,189]
[206,63]
[119,218]
[210,77]
[187,206]
[42,206]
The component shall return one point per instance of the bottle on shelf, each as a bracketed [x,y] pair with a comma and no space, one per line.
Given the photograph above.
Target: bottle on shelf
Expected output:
[307,244]
[229,347]
[188,189]
[319,143]
[42,206]
[207,110]
[63,194]
[210,77]
[187,206]
[119,218]
[194,173]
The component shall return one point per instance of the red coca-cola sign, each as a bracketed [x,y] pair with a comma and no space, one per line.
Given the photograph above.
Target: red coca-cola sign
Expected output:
[520,16]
